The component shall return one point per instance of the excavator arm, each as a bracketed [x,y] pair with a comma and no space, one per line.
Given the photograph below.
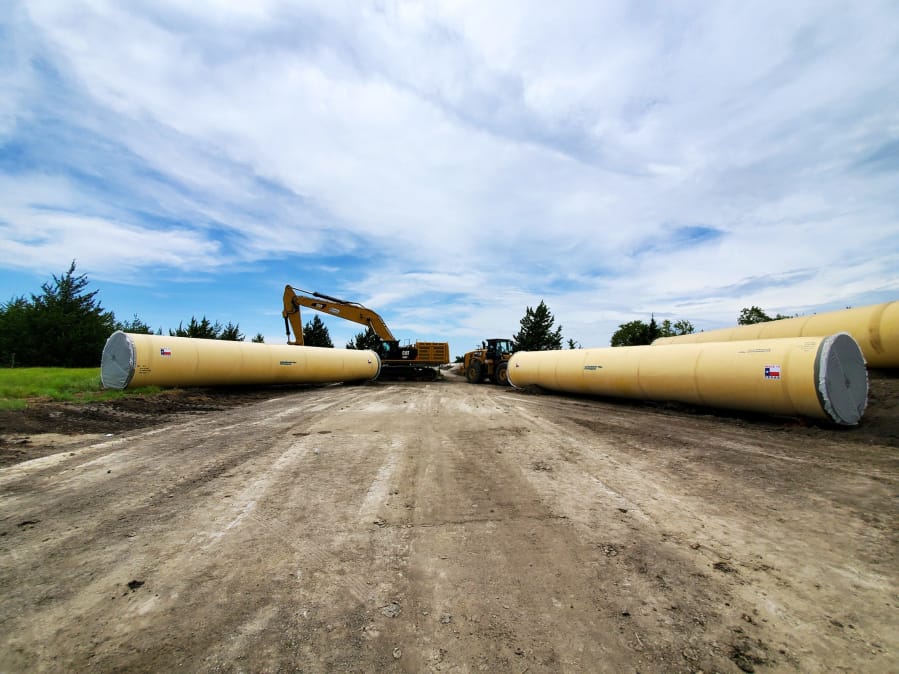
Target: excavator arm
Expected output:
[294,298]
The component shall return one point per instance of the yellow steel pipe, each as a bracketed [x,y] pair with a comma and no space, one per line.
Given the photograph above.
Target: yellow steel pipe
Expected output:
[132,360]
[817,377]
[875,328]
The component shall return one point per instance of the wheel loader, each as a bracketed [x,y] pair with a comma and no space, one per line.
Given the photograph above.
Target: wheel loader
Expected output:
[490,362]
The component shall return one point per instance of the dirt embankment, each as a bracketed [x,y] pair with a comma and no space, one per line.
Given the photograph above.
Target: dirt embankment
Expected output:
[445,527]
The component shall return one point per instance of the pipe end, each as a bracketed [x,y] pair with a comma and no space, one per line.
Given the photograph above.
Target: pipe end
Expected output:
[842,379]
[374,358]
[117,362]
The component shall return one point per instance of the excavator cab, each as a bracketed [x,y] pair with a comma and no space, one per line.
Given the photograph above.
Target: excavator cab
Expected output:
[391,350]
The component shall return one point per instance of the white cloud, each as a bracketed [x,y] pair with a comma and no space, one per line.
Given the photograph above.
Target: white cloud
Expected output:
[103,247]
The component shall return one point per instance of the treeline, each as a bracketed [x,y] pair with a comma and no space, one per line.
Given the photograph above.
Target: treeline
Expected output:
[638,333]
[538,331]
[65,325]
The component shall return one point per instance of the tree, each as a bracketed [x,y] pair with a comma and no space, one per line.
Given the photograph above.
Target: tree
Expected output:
[652,331]
[135,325]
[258,339]
[363,340]
[204,329]
[315,333]
[639,333]
[536,332]
[632,333]
[201,329]
[752,315]
[67,324]
[231,333]
[15,348]
[573,344]
[681,327]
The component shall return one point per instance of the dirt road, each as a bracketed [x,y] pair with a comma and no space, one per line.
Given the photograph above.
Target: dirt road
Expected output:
[449,527]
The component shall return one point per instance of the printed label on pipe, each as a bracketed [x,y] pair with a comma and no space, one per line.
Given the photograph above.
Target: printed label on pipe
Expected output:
[772,372]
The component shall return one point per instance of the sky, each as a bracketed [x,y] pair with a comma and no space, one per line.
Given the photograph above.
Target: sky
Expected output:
[450,164]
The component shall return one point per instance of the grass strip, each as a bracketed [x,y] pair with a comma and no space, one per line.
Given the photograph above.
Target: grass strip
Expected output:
[18,385]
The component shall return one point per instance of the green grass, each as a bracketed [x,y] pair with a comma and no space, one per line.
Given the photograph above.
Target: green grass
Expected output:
[18,385]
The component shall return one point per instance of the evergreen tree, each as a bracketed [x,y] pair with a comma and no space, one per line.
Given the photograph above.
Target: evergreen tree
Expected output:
[204,329]
[231,333]
[364,340]
[68,323]
[258,339]
[15,320]
[135,326]
[536,332]
[201,329]
[652,330]
[315,333]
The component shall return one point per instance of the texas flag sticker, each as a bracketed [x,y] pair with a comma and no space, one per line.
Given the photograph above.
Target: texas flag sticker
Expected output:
[168,352]
[772,372]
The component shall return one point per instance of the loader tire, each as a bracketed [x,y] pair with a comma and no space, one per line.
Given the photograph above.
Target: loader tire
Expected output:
[501,374]
[475,372]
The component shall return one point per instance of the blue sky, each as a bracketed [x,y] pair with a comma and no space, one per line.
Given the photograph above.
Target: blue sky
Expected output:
[450,164]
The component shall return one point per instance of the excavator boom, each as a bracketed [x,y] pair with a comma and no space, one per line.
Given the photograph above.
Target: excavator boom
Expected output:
[350,311]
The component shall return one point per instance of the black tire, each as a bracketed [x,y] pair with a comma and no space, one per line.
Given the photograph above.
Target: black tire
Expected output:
[501,374]
[475,372]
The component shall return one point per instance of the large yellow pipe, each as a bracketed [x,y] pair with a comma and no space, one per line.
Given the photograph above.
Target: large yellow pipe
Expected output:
[153,360]
[875,328]
[817,377]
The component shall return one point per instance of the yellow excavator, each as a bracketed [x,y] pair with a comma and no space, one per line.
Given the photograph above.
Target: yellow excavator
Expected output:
[419,361]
